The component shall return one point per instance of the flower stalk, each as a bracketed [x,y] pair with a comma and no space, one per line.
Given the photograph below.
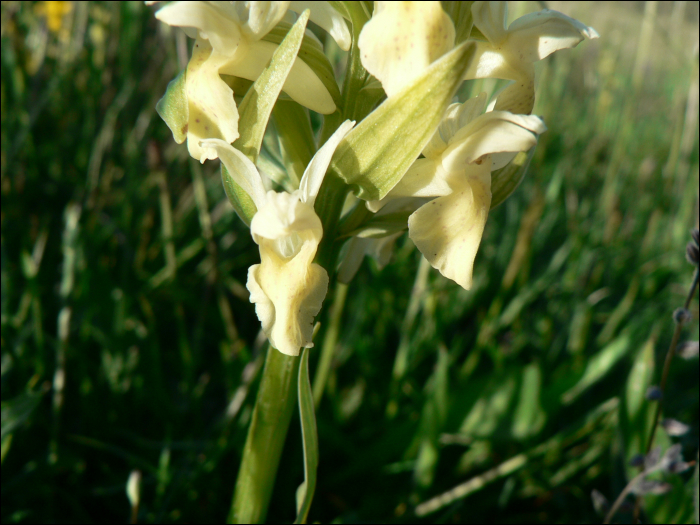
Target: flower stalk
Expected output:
[274,406]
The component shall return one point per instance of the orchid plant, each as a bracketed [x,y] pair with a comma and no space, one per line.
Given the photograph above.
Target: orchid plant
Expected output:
[395,153]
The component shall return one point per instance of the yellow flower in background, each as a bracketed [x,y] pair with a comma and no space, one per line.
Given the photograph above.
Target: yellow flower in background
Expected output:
[54,13]
[228,40]
[510,53]
[287,287]
[402,39]
[456,172]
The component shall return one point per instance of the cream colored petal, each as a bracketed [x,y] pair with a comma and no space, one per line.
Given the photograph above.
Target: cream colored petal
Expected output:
[491,62]
[212,23]
[288,221]
[212,109]
[263,16]
[519,97]
[448,230]
[490,18]
[494,132]
[456,117]
[316,170]
[402,39]
[302,84]
[425,178]
[538,35]
[288,294]
[328,18]
[239,166]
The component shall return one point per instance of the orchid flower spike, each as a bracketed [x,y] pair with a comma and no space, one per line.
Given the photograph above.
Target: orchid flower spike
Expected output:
[402,39]
[286,287]
[459,159]
[229,41]
[511,53]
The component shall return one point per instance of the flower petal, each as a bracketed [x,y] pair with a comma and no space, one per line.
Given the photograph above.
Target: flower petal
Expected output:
[239,166]
[537,35]
[494,132]
[425,178]
[287,295]
[285,218]
[302,84]
[489,62]
[518,97]
[316,170]
[212,109]
[263,16]
[448,230]
[456,117]
[402,39]
[211,22]
[490,18]
[328,18]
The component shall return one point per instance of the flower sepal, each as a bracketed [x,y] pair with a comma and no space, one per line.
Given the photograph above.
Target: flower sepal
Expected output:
[173,107]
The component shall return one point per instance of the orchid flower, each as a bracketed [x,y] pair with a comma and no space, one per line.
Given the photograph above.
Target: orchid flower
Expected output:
[459,159]
[228,41]
[511,53]
[402,39]
[286,287]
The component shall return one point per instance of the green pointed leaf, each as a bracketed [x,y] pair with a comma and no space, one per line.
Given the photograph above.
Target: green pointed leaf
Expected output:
[257,105]
[173,108]
[305,492]
[505,180]
[314,57]
[377,153]
[255,110]
[598,366]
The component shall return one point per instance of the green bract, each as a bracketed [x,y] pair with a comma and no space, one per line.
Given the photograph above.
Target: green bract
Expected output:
[379,151]
[312,54]
[255,112]
[257,105]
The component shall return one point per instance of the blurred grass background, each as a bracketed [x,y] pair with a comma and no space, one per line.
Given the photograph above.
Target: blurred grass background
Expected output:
[128,342]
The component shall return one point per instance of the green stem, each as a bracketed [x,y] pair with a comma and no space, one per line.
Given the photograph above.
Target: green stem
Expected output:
[669,358]
[329,205]
[329,342]
[272,414]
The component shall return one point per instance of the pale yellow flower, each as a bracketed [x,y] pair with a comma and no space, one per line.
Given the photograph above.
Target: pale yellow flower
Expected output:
[510,53]
[229,41]
[287,287]
[402,39]
[456,173]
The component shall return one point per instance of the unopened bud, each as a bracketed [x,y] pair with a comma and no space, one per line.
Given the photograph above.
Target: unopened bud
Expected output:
[682,315]
[692,253]
[654,393]
[637,460]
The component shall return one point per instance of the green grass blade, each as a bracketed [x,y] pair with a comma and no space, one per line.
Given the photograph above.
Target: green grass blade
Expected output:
[305,492]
